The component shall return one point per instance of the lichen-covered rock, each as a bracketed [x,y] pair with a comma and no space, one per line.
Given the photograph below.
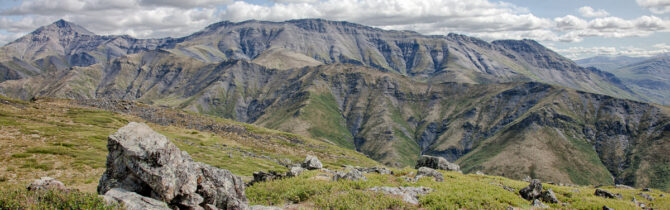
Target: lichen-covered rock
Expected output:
[532,191]
[353,175]
[133,201]
[429,172]
[294,171]
[436,163]
[147,163]
[46,183]
[607,194]
[312,163]
[408,194]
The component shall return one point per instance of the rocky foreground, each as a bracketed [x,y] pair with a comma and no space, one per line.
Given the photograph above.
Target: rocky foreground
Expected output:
[146,171]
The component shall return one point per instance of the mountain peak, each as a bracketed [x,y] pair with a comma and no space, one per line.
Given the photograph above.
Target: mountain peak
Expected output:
[63,26]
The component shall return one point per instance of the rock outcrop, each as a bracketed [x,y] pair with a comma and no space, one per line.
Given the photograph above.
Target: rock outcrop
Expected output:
[147,163]
[352,175]
[436,163]
[607,194]
[549,196]
[532,191]
[429,172]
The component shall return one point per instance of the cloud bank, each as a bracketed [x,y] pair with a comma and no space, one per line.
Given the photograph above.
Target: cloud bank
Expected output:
[486,19]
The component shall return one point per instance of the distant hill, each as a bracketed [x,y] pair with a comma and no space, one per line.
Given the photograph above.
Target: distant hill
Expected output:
[609,63]
[648,77]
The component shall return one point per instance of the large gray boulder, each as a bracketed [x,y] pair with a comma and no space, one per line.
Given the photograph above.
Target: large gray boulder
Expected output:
[147,163]
[436,163]
[312,163]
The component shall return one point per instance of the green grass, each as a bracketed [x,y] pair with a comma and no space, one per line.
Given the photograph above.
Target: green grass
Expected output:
[326,120]
[19,198]
[458,191]
[53,138]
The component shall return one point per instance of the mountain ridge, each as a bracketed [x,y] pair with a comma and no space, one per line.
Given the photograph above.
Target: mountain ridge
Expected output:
[391,95]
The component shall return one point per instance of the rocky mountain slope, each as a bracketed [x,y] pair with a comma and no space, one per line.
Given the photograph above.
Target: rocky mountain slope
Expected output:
[499,107]
[577,137]
[310,42]
[650,78]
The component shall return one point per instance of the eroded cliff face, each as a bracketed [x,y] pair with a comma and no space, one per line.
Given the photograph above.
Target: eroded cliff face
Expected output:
[311,42]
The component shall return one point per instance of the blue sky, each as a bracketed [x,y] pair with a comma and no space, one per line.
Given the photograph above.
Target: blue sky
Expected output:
[573,28]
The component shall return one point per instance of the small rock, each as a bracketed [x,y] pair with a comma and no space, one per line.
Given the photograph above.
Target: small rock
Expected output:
[575,190]
[549,196]
[408,194]
[295,171]
[532,191]
[607,194]
[480,173]
[607,208]
[429,172]
[620,186]
[527,179]
[436,163]
[312,163]
[353,175]
[646,190]
[132,201]
[503,186]
[375,169]
[537,204]
[46,183]
[646,196]
[261,176]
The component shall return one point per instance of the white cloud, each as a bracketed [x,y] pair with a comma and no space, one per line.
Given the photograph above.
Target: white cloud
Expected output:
[425,16]
[576,29]
[569,23]
[589,12]
[584,52]
[486,19]
[655,6]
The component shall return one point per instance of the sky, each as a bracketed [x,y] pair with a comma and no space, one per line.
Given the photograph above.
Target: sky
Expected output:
[574,28]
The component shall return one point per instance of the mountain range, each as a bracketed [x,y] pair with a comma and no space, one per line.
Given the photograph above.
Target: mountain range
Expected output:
[509,107]
[649,77]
